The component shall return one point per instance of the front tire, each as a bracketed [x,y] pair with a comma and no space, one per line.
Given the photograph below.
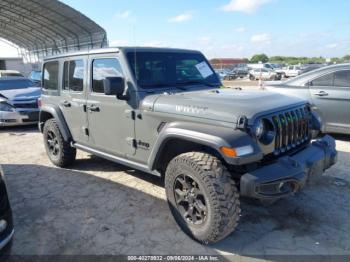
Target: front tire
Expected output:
[202,197]
[59,151]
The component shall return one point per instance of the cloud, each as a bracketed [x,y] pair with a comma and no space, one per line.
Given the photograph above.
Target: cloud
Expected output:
[119,42]
[261,39]
[241,29]
[181,18]
[245,6]
[156,43]
[332,46]
[205,40]
[124,15]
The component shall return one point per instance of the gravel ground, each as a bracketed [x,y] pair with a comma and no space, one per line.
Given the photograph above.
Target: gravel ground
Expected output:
[99,207]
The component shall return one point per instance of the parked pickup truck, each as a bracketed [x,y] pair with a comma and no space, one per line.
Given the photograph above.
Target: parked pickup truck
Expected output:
[164,112]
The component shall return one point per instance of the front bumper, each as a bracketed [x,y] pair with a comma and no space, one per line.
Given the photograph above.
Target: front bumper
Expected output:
[16,118]
[289,174]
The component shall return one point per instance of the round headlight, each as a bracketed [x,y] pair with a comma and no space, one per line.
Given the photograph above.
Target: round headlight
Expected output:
[260,129]
[265,131]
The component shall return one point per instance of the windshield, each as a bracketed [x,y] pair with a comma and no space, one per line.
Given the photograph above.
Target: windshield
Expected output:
[15,84]
[167,69]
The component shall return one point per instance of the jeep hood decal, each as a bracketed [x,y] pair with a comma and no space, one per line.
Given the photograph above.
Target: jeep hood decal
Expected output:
[226,105]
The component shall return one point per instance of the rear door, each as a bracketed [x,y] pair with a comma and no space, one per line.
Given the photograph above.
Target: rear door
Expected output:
[111,123]
[73,97]
[331,95]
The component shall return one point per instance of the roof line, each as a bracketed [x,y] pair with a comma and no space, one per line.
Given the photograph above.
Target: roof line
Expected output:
[42,27]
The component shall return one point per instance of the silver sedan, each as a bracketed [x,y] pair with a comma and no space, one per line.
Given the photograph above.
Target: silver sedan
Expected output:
[328,91]
[18,102]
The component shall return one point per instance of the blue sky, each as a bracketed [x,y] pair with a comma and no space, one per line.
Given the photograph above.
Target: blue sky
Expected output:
[227,28]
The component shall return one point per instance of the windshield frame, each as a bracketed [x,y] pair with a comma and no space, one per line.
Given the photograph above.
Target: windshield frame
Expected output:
[171,86]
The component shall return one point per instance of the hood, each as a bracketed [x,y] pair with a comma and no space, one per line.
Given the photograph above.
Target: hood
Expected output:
[30,93]
[224,105]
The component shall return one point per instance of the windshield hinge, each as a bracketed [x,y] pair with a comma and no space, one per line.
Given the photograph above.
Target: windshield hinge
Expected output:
[130,114]
[131,142]
[242,123]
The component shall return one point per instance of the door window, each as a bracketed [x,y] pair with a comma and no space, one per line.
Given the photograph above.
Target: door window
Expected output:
[103,68]
[51,76]
[342,78]
[73,75]
[326,80]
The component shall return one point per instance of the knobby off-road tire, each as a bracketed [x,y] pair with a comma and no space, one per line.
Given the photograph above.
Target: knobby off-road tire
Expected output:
[59,151]
[218,192]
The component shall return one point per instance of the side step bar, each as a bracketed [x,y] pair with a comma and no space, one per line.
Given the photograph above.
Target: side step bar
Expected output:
[119,160]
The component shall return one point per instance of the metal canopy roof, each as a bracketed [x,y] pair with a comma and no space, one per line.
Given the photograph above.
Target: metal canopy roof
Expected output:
[48,27]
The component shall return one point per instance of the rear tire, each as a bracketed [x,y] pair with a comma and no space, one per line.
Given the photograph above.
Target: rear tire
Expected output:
[202,197]
[59,151]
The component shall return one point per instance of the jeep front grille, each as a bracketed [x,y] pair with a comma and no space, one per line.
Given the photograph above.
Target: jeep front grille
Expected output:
[292,129]
[33,105]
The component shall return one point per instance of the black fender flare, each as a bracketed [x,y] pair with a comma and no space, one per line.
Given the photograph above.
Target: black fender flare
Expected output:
[57,114]
[214,137]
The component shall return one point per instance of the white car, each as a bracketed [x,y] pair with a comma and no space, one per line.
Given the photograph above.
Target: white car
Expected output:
[262,74]
[10,73]
[291,71]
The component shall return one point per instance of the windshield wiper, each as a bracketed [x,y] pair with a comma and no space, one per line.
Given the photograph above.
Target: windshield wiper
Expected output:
[195,82]
[157,85]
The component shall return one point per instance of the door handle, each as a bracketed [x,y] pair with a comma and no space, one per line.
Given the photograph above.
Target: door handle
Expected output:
[93,108]
[322,93]
[66,104]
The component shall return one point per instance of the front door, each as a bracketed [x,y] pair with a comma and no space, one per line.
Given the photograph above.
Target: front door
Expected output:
[111,125]
[73,98]
[331,95]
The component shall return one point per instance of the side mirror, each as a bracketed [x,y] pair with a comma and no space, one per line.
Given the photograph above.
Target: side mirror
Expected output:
[114,86]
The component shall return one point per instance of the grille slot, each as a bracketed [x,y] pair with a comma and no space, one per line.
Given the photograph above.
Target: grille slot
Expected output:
[292,129]
[26,105]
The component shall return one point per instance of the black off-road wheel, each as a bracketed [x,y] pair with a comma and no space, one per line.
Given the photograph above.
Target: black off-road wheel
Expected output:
[59,151]
[202,197]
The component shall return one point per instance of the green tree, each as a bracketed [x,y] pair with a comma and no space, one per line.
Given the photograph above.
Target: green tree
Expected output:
[336,60]
[346,58]
[259,58]
[291,60]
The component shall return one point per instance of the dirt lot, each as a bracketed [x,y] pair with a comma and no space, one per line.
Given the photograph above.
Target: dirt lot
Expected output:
[245,83]
[99,207]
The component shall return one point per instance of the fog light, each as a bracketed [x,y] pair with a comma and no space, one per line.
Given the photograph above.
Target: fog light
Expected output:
[3,225]
[280,186]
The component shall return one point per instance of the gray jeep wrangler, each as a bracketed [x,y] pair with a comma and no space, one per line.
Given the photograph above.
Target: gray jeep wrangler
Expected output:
[164,112]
